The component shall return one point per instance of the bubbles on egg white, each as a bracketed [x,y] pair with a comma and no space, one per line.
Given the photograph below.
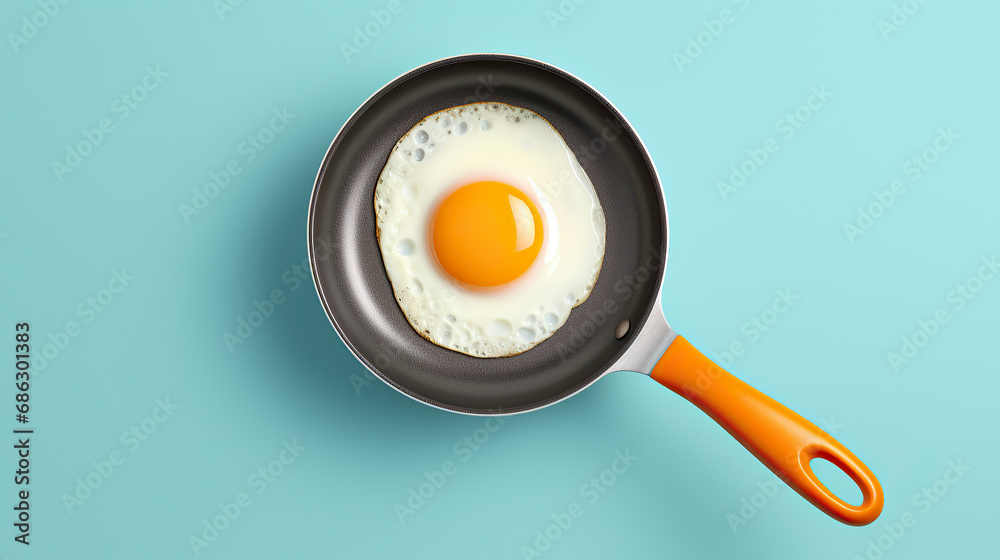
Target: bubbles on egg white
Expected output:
[418,154]
[421,136]
[598,216]
[416,286]
[462,127]
[499,327]
[405,247]
[551,320]
[409,191]
[485,125]
[529,320]
[526,335]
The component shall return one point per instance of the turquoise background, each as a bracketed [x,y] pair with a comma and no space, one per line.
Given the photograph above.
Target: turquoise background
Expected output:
[365,445]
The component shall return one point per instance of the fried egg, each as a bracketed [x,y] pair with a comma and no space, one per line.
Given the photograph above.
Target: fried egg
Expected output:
[490,230]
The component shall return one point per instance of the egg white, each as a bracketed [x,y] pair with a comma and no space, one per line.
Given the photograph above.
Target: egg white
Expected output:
[488,142]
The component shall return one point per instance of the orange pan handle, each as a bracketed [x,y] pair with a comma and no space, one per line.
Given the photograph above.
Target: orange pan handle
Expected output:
[781,439]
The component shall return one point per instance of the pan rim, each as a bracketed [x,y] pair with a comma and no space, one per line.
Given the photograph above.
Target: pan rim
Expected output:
[589,89]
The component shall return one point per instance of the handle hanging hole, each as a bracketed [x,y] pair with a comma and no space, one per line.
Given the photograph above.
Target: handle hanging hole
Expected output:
[622,329]
[836,480]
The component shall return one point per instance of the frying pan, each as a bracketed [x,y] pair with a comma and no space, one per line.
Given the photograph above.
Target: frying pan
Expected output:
[620,327]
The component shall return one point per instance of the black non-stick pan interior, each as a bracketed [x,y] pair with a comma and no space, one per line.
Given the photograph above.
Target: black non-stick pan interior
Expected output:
[358,296]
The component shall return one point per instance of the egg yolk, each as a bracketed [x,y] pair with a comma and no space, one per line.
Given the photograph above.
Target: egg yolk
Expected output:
[486,234]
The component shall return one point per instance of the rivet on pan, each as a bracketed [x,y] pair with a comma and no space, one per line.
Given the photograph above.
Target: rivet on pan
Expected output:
[622,329]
